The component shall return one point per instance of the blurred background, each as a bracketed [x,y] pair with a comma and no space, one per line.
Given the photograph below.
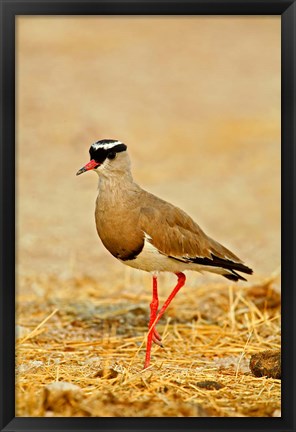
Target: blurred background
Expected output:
[197,101]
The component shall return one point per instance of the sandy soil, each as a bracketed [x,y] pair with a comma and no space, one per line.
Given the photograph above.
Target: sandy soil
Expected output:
[197,101]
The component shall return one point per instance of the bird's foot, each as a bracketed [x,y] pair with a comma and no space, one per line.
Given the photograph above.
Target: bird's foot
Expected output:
[156,338]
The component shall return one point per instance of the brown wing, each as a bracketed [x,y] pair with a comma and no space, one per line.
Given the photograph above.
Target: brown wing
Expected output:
[175,234]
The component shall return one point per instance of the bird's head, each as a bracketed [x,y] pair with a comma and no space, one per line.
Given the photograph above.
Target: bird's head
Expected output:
[107,156]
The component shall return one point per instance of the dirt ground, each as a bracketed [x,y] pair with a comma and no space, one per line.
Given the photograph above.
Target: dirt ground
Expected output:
[197,101]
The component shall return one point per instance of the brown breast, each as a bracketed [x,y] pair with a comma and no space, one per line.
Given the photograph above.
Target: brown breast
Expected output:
[117,227]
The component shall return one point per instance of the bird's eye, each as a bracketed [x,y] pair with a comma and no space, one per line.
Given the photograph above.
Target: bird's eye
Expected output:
[111,155]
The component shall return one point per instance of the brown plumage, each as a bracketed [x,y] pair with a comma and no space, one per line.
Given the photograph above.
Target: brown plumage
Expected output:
[148,233]
[121,225]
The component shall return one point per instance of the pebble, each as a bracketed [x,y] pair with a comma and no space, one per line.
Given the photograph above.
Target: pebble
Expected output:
[266,363]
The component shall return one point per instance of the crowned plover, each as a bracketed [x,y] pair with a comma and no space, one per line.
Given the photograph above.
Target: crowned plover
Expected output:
[148,233]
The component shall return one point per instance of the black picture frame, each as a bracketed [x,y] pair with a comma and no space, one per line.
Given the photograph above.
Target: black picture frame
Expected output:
[9,10]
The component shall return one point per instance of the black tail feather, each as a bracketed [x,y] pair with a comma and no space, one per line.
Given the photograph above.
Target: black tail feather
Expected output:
[234,276]
[224,263]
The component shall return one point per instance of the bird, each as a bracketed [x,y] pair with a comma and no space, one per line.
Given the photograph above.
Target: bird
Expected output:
[148,233]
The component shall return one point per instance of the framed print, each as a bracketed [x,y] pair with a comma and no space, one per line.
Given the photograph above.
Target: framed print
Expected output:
[160,294]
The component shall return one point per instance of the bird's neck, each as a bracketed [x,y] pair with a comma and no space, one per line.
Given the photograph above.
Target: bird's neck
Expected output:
[113,187]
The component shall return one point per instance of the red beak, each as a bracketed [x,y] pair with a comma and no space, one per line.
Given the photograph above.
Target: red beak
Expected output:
[89,166]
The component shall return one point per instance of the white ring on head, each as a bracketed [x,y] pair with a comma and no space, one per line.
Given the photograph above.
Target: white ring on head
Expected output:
[97,146]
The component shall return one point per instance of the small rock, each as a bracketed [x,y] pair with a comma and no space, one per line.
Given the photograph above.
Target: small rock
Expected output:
[209,385]
[60,397]
[267,363]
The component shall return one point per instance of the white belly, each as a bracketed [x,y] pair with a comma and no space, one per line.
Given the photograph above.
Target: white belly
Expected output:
[151,260]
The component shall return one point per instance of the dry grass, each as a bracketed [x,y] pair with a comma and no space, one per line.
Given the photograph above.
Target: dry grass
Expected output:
[97,342]
[202,124]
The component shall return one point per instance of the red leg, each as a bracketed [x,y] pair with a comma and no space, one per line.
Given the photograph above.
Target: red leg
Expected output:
[155,318]
[153,312]
[180,284]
